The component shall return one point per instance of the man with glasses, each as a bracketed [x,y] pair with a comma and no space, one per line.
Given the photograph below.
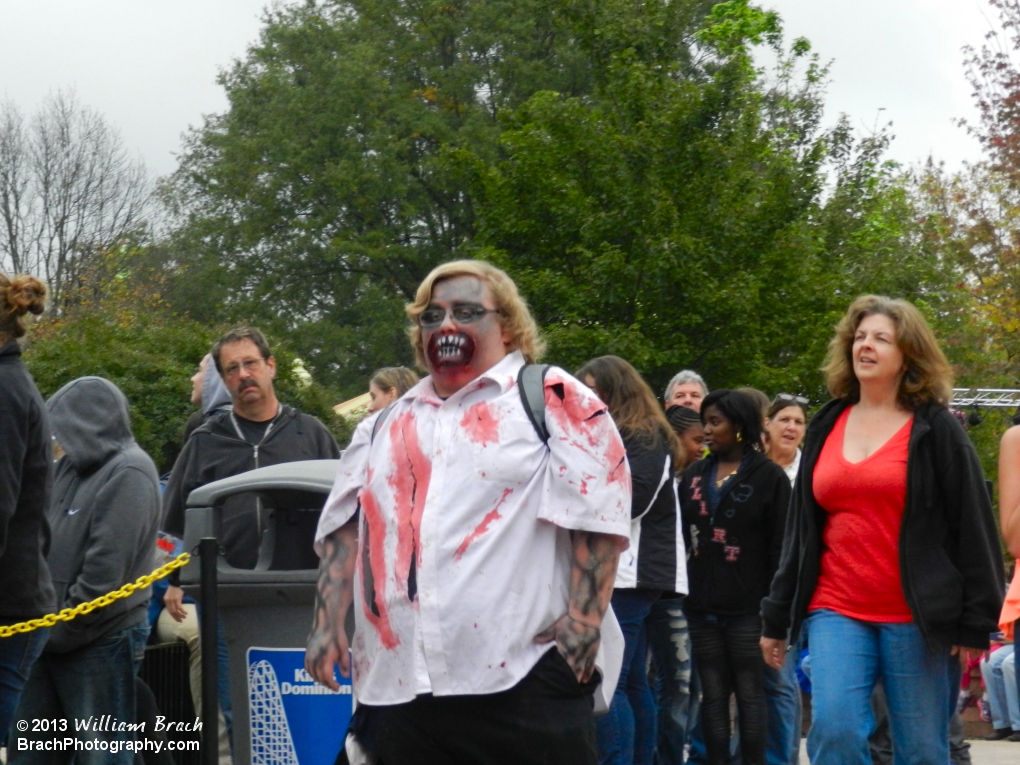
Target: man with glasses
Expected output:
[255,432]
[478,555]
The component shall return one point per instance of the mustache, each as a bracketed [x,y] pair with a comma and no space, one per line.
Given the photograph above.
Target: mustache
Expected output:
[249,383]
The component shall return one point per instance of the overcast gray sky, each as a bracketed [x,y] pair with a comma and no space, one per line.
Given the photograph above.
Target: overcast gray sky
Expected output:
[902,57]
[149,66]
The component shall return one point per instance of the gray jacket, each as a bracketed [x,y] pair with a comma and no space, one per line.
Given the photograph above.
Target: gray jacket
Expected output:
[105,511]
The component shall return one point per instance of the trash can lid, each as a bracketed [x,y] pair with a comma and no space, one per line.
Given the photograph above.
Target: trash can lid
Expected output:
[307,475]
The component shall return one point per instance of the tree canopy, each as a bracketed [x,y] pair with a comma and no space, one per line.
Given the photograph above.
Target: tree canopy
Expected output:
[656,191]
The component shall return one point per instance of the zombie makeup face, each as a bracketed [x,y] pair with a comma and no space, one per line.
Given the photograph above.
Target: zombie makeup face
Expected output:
[468,339]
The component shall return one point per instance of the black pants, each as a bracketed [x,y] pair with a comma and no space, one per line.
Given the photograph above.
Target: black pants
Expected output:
[544,719]
[729,661]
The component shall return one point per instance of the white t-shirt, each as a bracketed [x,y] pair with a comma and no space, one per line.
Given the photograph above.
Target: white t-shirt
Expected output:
[793,467]
[465,495]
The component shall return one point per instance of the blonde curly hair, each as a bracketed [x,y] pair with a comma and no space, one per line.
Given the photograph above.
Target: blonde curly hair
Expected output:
[516,317]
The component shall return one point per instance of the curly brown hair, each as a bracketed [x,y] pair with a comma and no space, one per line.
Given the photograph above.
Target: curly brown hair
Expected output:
[928,377]
[18,296]
[512,307]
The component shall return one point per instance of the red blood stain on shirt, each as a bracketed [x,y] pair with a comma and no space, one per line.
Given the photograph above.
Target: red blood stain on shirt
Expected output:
[616,459]
[411,472]
[376,527]
[582,419]
[481,424]
[481,528]
[577,415]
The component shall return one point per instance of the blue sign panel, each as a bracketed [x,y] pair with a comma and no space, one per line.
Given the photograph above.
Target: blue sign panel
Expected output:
[294,720]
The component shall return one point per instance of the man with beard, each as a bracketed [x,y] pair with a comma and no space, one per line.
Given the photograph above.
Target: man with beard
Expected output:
[255,432]
[479,556]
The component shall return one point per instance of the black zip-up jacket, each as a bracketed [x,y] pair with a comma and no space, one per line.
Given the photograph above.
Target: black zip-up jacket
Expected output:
[950,560]
[737,549]
[655,554]
[216,450]
[26,459]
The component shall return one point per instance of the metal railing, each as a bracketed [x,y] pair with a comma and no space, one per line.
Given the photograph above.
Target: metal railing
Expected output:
[1001,398]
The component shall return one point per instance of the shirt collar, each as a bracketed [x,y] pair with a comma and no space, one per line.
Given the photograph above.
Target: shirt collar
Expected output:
[503,374]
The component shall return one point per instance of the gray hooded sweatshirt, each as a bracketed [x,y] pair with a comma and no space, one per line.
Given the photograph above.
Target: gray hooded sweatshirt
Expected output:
[105,511]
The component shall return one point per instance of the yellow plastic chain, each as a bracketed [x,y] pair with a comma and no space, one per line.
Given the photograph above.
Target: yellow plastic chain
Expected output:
[68,614]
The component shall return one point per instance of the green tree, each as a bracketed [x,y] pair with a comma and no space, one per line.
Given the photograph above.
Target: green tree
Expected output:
[678,215]
[326,192]
[656,193]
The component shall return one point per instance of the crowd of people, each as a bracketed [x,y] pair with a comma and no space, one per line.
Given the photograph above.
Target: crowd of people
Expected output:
[523,547]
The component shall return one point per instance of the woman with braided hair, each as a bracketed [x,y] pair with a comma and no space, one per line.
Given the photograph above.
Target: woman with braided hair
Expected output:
[26,591]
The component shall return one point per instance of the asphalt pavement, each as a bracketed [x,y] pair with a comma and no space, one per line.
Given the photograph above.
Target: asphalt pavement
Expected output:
[981,752]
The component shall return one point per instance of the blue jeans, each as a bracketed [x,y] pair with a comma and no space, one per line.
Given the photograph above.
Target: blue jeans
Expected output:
[998,686]
[17,655]
[782,703]
[670,644]
[626,734]
[94,680]
[848,656]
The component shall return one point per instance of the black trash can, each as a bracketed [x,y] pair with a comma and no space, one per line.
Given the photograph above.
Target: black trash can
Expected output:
[280,715]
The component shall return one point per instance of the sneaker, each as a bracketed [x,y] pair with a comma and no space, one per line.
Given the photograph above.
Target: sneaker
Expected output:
[1001,733]
[1014,737]
[985,709]
[961,701]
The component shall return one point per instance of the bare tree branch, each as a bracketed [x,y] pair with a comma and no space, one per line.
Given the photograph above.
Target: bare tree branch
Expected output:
[68,191]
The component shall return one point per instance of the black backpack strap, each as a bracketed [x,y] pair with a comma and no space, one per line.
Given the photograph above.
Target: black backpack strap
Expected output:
[531,383]
[379,422]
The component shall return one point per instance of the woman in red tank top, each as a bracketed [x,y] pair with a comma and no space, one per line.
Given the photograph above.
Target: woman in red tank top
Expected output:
[891,559]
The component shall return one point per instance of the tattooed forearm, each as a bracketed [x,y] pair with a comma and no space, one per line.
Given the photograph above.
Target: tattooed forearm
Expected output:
[327,643]
[592,575]
[578,632]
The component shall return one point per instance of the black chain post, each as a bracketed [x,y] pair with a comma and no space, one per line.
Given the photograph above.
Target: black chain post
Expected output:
[208,549]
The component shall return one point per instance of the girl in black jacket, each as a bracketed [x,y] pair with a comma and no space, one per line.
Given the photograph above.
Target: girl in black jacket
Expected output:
[734,509]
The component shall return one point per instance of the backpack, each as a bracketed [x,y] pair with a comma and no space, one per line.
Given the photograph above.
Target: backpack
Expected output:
[530,384]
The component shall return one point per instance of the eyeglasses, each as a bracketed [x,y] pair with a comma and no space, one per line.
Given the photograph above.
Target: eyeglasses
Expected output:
[248,366]
[795,399]
[431,318]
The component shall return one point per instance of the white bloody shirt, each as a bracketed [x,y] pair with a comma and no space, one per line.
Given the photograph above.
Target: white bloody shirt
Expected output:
[464,490]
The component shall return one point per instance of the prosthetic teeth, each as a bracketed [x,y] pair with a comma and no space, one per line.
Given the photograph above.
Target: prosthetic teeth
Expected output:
[450,346]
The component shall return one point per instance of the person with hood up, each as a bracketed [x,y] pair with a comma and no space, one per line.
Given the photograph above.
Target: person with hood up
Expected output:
[210,394]
[104,516]
[207,392]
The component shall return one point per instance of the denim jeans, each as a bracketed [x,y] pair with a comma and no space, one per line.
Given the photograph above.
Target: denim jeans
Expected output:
[626,734]
[994,676]
[782,703]
[17,655]
[94,680]
[670,644]
[848,657]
